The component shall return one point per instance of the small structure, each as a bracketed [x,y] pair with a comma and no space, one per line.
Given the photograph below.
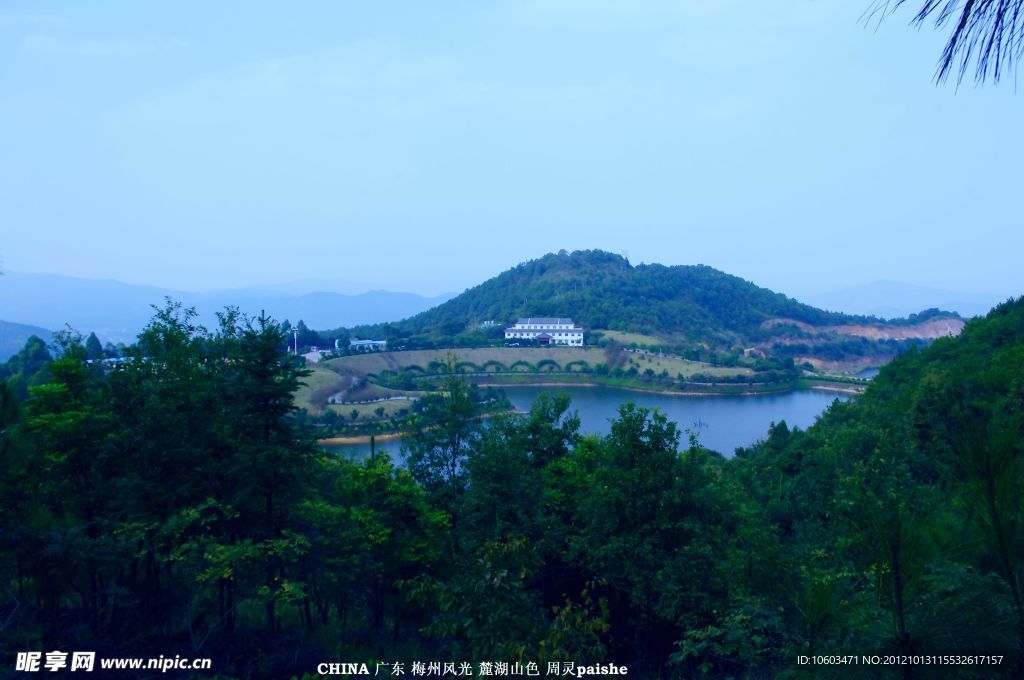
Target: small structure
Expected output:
[547,330]
[366,345]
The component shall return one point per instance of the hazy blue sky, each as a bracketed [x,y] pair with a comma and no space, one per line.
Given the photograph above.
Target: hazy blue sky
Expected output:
[426,146]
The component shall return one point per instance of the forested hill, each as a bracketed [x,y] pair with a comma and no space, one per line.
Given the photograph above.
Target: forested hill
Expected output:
[905,506]
[604,291]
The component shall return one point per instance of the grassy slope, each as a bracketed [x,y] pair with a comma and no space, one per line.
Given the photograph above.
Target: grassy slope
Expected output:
[626,338]
[368,411]
[371,364]
[325,381]
[675,366]
[320,378]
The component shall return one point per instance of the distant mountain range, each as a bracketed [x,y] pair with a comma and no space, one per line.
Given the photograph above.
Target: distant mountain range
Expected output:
[117,311]
[890,300]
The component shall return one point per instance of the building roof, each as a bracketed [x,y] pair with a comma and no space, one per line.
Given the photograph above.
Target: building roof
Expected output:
[546,329]
[544,321]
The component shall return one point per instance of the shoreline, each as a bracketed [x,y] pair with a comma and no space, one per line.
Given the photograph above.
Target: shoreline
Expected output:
[392,436]
[639,390]
[837,388]
[361,439]
[677,393]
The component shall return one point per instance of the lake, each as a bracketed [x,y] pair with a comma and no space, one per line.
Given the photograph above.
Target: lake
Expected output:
[721,423]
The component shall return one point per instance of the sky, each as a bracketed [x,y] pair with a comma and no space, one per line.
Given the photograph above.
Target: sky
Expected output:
[426,147]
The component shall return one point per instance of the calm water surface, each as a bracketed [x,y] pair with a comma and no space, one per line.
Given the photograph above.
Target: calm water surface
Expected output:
[721,423]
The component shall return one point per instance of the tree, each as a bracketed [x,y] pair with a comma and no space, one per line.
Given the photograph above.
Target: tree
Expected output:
[486,605]
[990,460]
[308,337]
[989,33]
[505,487]
[649,526]
[892,535]
[273,454]
[93,348]
[388,533]
[441,437]
[69,424]
[18,495]
[551,430]
[25,368]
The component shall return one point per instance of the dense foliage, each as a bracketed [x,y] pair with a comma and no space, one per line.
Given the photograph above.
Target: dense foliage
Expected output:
[898,519]
[14,335]
[173,505]
[26,367]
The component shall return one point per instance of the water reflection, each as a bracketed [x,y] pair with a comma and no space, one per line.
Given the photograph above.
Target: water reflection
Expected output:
[722,423]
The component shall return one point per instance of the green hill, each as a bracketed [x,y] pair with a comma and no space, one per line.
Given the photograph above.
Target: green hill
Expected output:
[900,516]
[681,305]
[603,290]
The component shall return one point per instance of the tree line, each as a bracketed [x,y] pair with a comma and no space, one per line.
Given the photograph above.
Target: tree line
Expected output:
[174,504]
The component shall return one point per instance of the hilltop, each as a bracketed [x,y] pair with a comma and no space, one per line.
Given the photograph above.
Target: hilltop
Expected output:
[692,308]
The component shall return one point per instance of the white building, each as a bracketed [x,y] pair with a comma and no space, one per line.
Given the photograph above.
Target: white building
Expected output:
[546,330]
[364,345]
